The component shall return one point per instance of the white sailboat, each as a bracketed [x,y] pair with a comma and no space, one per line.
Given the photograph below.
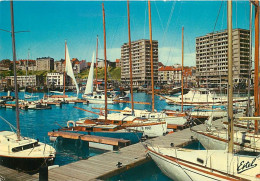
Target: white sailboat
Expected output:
[27,96]
[145,114]
[150,127]
[185,164]
[217,139]
[91,96]
[20,152]
[197,165]
[70,73]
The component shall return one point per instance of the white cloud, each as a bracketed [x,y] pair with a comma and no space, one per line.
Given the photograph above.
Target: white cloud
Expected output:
[172,55]
[112,54]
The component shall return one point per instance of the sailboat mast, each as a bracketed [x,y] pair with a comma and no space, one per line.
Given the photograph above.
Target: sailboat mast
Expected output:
[230,79]
[130,59]
[96,63]
[256,92]
[151,52]
[182,59]
[27,62]
[250,62]
[18,132]
[105,59]
[26,70]
[64,73]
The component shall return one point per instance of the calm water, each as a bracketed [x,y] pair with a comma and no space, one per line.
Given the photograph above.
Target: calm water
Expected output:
[37,123]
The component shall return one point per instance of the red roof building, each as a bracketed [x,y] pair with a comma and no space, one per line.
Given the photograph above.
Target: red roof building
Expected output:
[172,75]
[118,63]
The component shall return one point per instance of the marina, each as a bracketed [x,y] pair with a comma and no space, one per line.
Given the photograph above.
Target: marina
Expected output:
[112,163]
[70,119]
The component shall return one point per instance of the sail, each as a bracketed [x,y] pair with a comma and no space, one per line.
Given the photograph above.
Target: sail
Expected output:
[69,69]
[89,86]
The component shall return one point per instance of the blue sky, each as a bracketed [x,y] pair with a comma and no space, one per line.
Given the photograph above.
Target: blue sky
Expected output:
[79,22]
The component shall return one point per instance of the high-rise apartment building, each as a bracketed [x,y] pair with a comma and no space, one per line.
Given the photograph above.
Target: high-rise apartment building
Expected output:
[212,60]
[141,65]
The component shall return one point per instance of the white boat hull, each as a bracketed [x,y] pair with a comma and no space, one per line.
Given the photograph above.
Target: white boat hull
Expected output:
[151,131]
[218,141]
[176,120]
[200,165]
[97,99]
[210,143]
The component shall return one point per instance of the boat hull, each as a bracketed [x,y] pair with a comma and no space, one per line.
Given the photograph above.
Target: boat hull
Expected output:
[198,165]
[176,120]
[180,172]
[97,101]
[30,165]
[242,141]
[153,130]
[210,143]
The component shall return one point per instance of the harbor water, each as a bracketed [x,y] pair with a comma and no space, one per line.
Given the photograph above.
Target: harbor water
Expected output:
[37,123]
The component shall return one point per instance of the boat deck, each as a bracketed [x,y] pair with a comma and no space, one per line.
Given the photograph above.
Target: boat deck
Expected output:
[10,174]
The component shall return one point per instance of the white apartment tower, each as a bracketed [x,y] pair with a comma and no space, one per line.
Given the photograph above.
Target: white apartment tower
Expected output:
[141,65]
[212,61]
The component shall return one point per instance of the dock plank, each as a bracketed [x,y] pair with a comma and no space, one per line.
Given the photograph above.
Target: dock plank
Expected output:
[10,174]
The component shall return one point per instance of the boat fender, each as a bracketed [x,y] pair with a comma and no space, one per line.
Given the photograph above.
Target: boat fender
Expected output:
[172,144]
[68,123]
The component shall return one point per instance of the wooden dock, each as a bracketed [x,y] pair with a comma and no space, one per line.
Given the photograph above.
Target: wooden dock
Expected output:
[115,162]
[113,143]
[10,174]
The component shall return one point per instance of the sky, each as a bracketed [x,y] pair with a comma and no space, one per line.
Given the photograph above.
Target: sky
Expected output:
[50,23]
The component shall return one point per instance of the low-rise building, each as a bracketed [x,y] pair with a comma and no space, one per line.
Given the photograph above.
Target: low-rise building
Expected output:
[31,64]
[83,65]
[45,63]
[172,75]
[3,68]
[59,66]
[55,79]
[101,64]
[23,81]
[76,67]
[118,63]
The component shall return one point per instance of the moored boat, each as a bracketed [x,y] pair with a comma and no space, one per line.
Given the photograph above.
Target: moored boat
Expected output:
[25,154]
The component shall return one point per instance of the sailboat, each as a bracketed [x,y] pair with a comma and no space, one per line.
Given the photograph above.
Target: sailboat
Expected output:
[95,97]
[246,140]
[185,164]
[153,116]
[92,126]
[151,123]
[27,96]
[20,152]
[70,73]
